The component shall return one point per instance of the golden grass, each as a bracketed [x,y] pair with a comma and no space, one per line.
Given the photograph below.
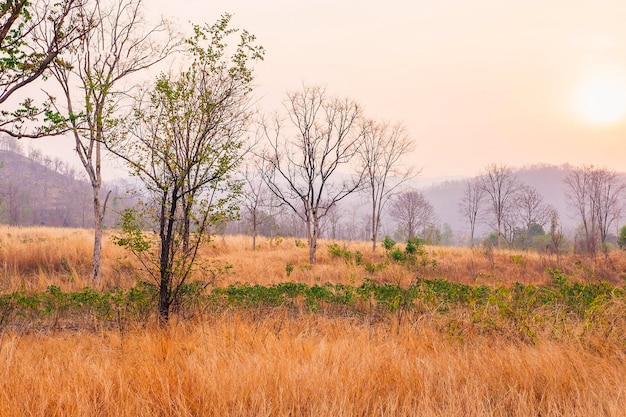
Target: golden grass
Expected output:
[276,362]
[33,258]
[277,365]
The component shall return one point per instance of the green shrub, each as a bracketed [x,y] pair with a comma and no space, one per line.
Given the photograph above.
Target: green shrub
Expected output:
[337,251]
[388,243]
[621,240]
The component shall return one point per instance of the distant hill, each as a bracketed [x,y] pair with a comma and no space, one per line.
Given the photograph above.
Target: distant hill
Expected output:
[39,191]
[45,192]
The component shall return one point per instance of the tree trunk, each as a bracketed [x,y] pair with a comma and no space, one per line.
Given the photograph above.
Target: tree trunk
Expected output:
[166,234]
[375,221]
[254,229]
[97,235]
[164,298]
[99,209]
[313,232]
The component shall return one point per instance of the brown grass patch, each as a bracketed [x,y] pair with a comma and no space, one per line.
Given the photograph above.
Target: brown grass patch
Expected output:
[237,365]
[273,362]
[33,258]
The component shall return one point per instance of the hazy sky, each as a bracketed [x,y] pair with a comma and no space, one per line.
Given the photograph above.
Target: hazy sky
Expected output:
[475,81]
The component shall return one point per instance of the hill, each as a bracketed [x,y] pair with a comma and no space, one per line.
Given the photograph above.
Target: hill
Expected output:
[547,179]
[40,191]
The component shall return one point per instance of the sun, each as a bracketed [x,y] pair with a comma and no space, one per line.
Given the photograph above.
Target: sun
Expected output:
[602,100]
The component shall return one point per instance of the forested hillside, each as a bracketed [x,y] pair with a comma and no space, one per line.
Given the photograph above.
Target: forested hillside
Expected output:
[37,190]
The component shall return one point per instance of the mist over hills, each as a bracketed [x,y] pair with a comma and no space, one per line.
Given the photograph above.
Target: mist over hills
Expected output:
[547,179]
[39,191]
[36,190]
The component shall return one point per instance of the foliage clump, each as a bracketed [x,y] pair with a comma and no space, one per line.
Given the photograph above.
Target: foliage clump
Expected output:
[414,253]
[337,251]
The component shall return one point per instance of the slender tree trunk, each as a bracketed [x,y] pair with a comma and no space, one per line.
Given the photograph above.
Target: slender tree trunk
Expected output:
[313,233]
[375,221]
[254,228]
[99,210]
[166,230]
[97,240]
[313,248]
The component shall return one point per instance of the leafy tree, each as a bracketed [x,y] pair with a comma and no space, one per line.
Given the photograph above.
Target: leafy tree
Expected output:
[306,161]
[33,33]
[185,143]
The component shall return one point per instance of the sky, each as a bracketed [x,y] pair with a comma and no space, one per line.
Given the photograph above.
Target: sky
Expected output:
[474,81]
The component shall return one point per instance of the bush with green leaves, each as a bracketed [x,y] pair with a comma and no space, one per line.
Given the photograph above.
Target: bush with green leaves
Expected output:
[621,239]
[337,251]
[413,255]
[524,312]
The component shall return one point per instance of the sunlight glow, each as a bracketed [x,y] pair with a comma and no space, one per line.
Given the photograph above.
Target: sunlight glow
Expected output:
[602,100]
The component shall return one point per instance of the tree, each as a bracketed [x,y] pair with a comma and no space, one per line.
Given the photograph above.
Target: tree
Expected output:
[306,162]
[471,205]
[184,144]
[380,153]
[412,212]
[91,77]
[595,195]
[500,186]
[556,234]
[330,224]
[255,198]
[533,213]
[32,35]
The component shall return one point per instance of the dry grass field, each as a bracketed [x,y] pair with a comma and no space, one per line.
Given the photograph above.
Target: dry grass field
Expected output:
[34,258]
[274,362]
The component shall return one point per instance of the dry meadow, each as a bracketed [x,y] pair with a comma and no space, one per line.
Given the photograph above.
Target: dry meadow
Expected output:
[277,362]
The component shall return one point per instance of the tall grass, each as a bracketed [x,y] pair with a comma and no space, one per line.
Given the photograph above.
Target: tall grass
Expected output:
[286,362]
[34,258]
[277,365]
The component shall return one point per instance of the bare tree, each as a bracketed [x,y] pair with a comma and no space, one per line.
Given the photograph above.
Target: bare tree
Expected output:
[595,195]
[556,235]
[330,223]
[380,153]
[578,183]
[471,205]
[412,212]
[307,161]
[32,35]
[500,187]
[608,191]
[257,199]
[92,78]
[532,212]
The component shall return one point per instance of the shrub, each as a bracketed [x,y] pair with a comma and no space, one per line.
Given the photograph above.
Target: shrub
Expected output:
[388,243]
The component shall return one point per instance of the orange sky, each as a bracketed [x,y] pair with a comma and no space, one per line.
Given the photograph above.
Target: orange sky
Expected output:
[475,81]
